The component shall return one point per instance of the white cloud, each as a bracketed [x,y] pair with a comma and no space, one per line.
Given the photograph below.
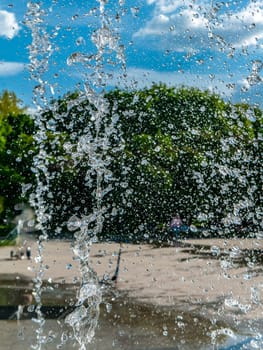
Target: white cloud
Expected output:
[32,111]
[168,6]
[141,78]
[8,24]
[10,68]
[187,25]
[223,85]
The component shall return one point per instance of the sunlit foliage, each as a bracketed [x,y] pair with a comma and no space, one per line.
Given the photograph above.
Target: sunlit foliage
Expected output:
[16,152]
[181,151]
[169,151]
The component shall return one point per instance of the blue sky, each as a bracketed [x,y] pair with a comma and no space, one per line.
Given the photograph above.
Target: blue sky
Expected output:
[208,44]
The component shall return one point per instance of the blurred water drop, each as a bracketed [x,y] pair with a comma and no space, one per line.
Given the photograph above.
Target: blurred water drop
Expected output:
[86,291]
[135,11]
[74,223]
[255,295]
[31,308]
[215,250]
[235,252]
[75,17]
[193,228]
[80,41]
[108,307]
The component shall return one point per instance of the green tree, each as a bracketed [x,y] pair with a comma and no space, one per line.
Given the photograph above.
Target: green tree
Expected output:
[186,151]
[16,152]
[9,105]
[168,151]
[69,180]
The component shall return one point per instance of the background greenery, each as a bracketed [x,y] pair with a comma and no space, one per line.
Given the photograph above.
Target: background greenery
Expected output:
[168,151]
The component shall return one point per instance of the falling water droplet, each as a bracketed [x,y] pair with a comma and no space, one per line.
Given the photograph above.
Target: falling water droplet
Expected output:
[80,41]
[75,17]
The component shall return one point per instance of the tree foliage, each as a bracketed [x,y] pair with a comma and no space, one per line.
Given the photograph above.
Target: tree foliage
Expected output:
[191,153]
[16,151]
[164,151]
[171,151]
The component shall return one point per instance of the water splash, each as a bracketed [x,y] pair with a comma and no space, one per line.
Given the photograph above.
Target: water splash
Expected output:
[221,331]
[40,51]
[91,146]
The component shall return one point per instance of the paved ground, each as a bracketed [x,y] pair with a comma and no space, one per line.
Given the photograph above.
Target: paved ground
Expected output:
[223,277]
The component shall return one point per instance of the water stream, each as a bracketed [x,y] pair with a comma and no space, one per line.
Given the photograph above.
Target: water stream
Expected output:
[91,146]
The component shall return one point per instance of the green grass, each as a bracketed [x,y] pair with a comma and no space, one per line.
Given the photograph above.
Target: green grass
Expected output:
[8,243]
[8,236]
